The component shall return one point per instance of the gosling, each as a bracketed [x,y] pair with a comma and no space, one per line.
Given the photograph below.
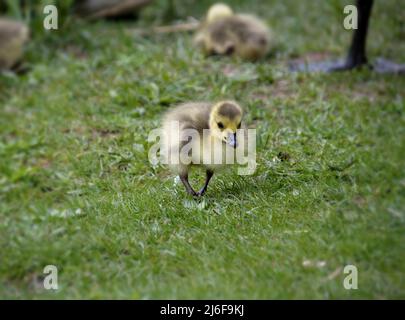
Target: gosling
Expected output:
[201,134]
[227,33]
[13,36]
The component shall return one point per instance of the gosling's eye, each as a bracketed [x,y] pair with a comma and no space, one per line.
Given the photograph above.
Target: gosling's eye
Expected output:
[239,125]
[220,125]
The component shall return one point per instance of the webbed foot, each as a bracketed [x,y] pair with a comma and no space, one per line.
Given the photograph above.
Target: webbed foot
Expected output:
[381,65]
[326,66]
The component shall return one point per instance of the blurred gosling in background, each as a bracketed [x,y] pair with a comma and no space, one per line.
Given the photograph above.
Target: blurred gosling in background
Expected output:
[225,33]
[13,36]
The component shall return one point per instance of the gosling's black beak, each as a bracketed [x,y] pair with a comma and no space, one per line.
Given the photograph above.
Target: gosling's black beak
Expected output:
[232,140]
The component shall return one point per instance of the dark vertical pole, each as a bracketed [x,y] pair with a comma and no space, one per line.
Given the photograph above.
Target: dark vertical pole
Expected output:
[357,52]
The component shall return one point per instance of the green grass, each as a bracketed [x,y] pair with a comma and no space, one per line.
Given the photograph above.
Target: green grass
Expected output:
[73,135]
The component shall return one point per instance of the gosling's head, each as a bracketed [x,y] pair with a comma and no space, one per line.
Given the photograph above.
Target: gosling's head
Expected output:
[225,119]
[218,11]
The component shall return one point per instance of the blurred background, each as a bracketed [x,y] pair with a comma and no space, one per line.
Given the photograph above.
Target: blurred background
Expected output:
[77,190]
[299,27]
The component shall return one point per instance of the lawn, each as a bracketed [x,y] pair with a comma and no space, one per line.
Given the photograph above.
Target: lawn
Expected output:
[77,190]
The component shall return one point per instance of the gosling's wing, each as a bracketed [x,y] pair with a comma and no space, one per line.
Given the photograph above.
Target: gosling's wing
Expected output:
[184,123]
[252,22]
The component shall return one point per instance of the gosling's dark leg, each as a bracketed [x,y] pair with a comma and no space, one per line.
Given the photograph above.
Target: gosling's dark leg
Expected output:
[207,181]
[189,189]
